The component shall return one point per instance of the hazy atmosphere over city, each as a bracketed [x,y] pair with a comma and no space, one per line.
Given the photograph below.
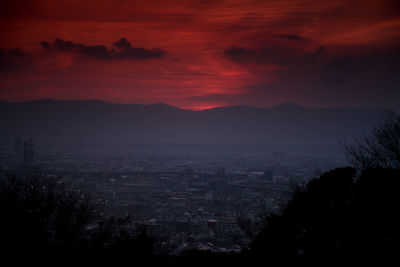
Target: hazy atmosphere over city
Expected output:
[193,132]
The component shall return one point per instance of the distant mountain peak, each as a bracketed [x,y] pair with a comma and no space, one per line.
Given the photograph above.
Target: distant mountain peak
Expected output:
[238,107]
[161,106]
[51,100]
[288,106]
[92,121]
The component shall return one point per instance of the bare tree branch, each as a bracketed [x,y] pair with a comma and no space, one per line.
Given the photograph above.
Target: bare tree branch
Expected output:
[380,148]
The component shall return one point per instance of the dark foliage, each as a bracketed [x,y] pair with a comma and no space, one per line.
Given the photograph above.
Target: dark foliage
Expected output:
[38,213]
[42,219]
[337,218]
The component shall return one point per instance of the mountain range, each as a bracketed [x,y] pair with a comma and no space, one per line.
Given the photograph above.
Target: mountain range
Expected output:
[98,122]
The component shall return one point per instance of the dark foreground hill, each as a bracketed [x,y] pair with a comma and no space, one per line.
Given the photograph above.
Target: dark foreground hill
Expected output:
[95,121]
[339,217]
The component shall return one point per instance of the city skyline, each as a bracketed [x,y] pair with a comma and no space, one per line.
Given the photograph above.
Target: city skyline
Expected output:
[198,132]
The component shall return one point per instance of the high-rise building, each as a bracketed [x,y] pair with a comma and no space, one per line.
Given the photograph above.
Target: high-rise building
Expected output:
[220,171]
[28,152]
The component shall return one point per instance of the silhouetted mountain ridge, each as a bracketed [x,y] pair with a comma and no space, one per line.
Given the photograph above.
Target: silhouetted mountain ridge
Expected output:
[288,106]
[95,121]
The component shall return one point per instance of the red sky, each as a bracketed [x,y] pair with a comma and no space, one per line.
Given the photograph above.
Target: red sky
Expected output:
[202,54]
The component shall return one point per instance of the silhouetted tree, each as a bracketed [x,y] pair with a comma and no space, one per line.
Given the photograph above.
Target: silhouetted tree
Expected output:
[40,217]
[378,149]
[337,217]
[117,240]
[251,226]
[38,213]
[373,229]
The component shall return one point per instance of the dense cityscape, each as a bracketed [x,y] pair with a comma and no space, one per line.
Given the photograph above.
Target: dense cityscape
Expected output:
[200,133]
[188,196]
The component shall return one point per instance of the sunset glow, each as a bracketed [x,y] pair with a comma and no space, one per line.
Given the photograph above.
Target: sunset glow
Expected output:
[202,54]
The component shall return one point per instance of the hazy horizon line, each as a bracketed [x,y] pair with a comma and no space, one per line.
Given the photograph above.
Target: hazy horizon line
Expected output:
[283,104]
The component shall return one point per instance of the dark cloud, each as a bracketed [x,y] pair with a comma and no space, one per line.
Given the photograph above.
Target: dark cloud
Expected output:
[290,37]
[140,53]
[320,50]
[61,45]
[15,52]
[367,76]
[122,43]
[341,69]
[123,49]
[12,59]
[97,51]
[273,55]
[247,55]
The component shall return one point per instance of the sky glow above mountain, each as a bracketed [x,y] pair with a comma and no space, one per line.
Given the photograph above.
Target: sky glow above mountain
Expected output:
[202,54]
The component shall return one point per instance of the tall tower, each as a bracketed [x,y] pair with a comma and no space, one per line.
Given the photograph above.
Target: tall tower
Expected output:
[28,152]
